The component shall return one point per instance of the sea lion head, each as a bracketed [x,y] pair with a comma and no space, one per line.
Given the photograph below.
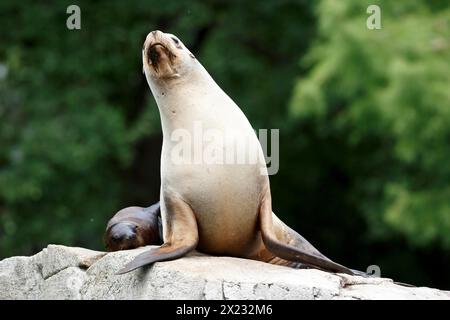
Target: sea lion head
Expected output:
[165,57]
[133,227]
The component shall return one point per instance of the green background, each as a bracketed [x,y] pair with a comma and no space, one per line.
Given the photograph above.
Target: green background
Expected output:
[364,119]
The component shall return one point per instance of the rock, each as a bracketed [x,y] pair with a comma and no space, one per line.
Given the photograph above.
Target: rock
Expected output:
[60,272]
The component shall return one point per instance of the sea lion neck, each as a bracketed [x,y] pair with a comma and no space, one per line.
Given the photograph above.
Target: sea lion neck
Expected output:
[180,100]
[195,78]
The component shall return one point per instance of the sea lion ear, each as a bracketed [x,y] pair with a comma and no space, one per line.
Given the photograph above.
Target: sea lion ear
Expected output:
[191,55]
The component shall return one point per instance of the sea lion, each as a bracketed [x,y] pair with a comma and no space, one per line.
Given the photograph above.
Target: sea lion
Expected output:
[216,208]
[134,227]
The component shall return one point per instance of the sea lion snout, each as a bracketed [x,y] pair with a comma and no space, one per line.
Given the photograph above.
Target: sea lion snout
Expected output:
[154,39]
[122,232]
[122,236]
[165,57]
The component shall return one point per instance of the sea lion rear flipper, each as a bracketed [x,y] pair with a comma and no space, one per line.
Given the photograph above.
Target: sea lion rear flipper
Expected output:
[181,236]
[287,251]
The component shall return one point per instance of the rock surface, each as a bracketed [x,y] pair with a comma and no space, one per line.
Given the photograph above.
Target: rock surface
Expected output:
[60,272]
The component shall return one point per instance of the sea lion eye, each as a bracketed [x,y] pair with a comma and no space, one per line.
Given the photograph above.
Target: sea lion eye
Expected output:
[175,40]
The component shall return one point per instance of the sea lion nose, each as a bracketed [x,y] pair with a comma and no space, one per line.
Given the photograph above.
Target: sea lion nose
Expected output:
[155,32]
[117,237]
[130,236]
[123,236]
[151,38]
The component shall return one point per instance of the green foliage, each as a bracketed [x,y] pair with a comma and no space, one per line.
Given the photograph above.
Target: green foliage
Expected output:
[389,88]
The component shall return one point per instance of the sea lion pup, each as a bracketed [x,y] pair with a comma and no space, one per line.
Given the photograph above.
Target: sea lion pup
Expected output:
[216,208]
[134,227]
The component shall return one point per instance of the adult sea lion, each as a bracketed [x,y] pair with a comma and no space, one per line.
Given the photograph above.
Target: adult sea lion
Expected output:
[134,227]
[216,208]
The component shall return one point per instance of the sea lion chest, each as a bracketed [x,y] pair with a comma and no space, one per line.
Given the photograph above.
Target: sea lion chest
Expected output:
[223,190]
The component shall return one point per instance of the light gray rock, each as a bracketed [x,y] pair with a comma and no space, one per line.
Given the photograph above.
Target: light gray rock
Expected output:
[60,272]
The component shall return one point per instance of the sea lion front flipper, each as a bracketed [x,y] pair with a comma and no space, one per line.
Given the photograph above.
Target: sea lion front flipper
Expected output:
[302,252]
[180,236]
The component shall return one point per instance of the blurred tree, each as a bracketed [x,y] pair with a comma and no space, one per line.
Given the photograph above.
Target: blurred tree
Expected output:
[378,104]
